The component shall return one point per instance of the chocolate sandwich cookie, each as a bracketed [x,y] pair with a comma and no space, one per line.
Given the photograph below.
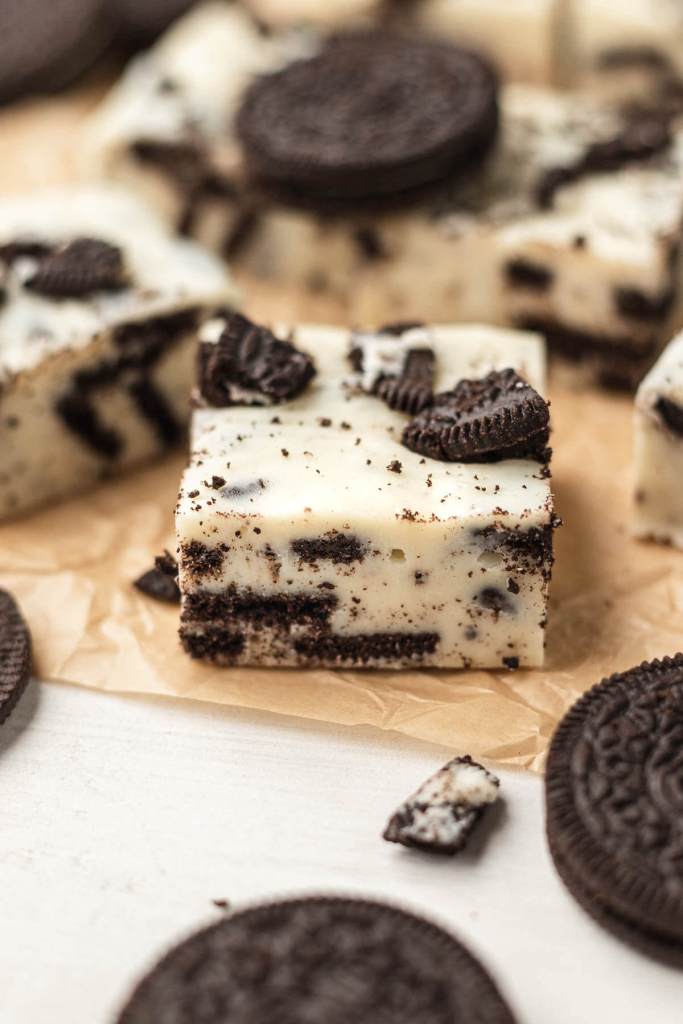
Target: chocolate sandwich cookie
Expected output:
[614,803]
[249,365]
[46,45]
[161,582]
[15,655]
[499,416]
[371,115]
[320,960]
[79,269]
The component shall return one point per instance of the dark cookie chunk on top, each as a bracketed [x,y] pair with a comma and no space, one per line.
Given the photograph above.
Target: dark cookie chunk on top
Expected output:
[614,802]
[323,960]
[642,138]
[441,815]
[161,582]
[250,357]
[412,391]
[497,417]
[15,655]
[79,269]
[373,114]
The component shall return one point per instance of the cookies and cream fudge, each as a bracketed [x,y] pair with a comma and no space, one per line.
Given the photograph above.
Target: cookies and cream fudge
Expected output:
[534,208]
[659,449]
[100,307]
[630,50]
[311,529]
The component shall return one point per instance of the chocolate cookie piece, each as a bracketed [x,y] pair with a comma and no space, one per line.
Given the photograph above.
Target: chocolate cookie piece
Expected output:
[320,960]
[46,45]
[412,391]
[15,655]
[441,815]
[614,805]
[249,364]
[643,138]
[161,582]
[499,416]
[79,269]
[373,114]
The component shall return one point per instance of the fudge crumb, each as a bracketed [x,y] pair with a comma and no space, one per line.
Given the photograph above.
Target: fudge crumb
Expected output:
[395,466]
[285,452]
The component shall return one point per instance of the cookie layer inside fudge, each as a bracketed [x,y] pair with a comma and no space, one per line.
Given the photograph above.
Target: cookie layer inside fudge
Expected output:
[309,534]
[571,226]
[659,449]
[98,324]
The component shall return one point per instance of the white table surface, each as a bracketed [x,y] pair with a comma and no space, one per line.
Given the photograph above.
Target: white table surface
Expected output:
[123,819]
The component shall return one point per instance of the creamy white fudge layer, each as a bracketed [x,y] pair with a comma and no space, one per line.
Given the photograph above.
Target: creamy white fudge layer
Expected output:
[593,266]
[95,383]
[659,449]
[308,535]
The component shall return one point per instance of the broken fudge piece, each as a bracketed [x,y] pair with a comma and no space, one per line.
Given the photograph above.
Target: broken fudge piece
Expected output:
[308,534]
[98,323]
[659,449]
[441,815]
[558,214]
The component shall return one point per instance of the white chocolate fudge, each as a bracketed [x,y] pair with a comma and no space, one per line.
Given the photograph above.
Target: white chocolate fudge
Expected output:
[631,49]
[309,535]
[659,449]
[562,229]
[98,323]
[523,38]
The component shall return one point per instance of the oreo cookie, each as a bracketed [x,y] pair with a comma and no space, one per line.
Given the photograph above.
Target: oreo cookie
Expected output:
[442,814]
[161,582]
[412,391]
[372,115]
[15,655]
[320,960]
[249,365]
[46,45]
[614,805]
[79,269]
[499,416]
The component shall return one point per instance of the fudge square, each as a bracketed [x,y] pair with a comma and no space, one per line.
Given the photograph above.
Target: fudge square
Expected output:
[566,220]
[311,529]
[659,449]
[98,322]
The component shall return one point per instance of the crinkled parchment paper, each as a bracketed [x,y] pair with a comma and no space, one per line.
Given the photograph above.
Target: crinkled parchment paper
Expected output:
[614,603]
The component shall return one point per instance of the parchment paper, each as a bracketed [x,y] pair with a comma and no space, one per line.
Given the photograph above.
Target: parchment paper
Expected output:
[615,602]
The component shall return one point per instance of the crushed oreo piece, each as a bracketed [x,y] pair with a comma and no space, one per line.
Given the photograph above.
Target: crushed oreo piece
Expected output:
[161,582]
[441,815]
[496,417]
[671,413]
[250,358]
[78,269]
[412,391]
[15,655]
[642,138]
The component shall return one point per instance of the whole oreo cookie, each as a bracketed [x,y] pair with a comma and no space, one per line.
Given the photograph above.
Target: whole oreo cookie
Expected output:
[497,417]
[46,44]
[614,802]
[321,960]
[15,655]
[249,365]
[373,114]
